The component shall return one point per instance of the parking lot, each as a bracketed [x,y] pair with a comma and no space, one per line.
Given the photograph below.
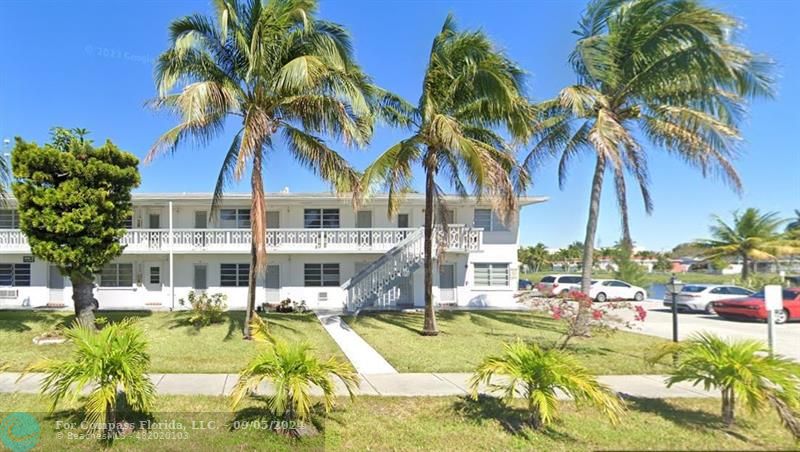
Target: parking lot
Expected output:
[659,323]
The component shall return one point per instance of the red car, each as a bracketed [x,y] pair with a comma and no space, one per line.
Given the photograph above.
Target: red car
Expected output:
[753,307]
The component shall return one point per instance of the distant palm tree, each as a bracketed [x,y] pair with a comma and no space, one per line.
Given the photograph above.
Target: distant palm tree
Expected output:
[752,235]
[794,223]
[539,256]
[537,374]
[740,369]
[468,89]
[285,76]
[666,71]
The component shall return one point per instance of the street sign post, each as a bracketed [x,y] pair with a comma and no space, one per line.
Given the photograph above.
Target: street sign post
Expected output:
[773,301]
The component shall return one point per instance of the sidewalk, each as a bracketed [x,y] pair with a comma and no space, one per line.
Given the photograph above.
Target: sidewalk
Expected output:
[365,359]
[401,385]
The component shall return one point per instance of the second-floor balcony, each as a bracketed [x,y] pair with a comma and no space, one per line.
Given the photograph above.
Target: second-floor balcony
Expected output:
[459,238]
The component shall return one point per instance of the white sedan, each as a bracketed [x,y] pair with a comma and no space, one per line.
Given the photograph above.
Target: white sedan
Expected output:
[613,289]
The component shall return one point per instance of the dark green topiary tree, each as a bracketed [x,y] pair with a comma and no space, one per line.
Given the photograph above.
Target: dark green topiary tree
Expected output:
[73,201]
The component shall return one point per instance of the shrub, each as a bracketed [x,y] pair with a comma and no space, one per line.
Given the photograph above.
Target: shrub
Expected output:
[757,281]
[205,309]
[536,374]
[292,369]
[602,318]
[111,364]
[740,369]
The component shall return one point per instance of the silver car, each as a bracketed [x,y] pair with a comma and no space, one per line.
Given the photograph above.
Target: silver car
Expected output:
[698,297]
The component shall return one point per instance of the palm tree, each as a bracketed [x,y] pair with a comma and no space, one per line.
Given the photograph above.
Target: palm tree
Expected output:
[752,235]
[794,223]
[293,370]
[740,369]
[286,76]
[539,256]
[111,364]
[468,89]
[537,374]
[666,71]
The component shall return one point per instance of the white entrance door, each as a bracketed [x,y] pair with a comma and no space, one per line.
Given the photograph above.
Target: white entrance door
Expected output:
[153,282]
[55,282]
[272,284]
[447,283]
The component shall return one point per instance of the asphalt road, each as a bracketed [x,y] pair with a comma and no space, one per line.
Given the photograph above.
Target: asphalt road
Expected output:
[659,323]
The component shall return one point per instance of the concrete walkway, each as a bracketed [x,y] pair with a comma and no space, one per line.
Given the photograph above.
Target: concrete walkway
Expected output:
[364,358]
[400,385]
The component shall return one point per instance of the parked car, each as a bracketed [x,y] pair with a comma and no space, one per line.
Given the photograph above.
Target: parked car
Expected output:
[699,297]
[753,307]
[614,289]
[558,284]
[525,284]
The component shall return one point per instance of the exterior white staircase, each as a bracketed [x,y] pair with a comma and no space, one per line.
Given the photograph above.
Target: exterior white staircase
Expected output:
[370,288]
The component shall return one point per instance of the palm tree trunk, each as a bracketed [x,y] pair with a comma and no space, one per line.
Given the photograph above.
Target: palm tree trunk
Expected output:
[588,242]
[429,328]
[83,299]
[258,252]
[533,411]
[728,406]
[745,267]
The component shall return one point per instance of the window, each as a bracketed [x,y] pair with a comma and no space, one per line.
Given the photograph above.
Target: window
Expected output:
[739,291]
[449,216]
[117,275]
[15,275]
[127,223]
[155,275]
[618,284]
[321,275]
[488,220]
[273,219]
[9,219]
[321,218]
[234,218]
[402,220]
[693,289]
[154,221]
[234,275]
[200,278]
[548,279]
[569,280]
[491,275]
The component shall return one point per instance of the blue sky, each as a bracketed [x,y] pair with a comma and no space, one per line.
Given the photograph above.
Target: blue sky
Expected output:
[89,64]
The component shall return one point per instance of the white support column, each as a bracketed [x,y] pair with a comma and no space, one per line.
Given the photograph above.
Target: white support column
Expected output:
[171,262]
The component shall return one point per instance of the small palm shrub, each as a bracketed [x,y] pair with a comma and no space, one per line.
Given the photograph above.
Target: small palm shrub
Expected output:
[535,374]
[293,369]
[758,281]
[205,309]
[112,363]
[741,370]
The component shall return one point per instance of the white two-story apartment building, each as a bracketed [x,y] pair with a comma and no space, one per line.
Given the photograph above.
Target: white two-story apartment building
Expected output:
[319,249]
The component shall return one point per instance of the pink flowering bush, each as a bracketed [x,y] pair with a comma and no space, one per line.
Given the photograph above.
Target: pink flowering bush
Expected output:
[601,318]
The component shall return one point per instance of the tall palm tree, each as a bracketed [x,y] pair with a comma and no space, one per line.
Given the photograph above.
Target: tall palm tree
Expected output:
[469,88]
[665,71]
[753,235]
[285,75]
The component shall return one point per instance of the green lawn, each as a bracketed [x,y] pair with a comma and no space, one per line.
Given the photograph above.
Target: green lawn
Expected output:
[466,337]
[648,278]
[431,423]
[175,347]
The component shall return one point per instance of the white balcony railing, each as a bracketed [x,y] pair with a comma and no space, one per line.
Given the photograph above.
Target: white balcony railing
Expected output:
[460,238]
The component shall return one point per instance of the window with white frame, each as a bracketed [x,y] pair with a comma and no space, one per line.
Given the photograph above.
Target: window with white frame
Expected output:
[321,218]
[127,223]
[491,275]
[234,218]
[117,275]
[15,275]
[234,275]
[488,220]
[321,275]
[9,219]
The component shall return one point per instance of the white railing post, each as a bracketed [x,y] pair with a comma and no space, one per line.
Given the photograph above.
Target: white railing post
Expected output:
[171,261]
